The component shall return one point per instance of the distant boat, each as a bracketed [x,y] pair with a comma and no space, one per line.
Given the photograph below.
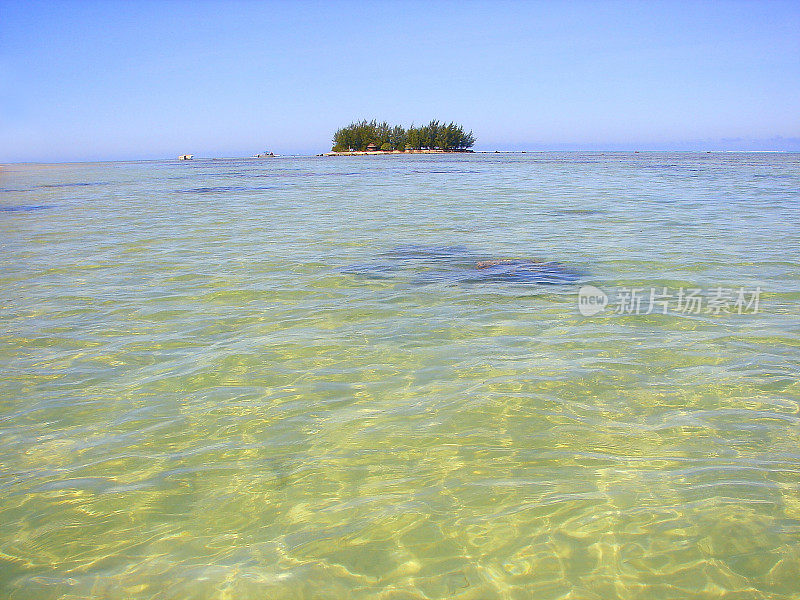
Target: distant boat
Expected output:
[264,155]
[186,157]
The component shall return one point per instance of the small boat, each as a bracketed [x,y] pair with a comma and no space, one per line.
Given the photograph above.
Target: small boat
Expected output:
[186,157]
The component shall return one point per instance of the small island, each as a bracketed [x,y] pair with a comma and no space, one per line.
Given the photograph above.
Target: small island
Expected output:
[371,137]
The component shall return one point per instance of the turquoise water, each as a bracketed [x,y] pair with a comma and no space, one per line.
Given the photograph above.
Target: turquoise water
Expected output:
[258,379]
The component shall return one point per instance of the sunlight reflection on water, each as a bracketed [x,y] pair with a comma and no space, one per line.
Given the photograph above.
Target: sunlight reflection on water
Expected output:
[201,398]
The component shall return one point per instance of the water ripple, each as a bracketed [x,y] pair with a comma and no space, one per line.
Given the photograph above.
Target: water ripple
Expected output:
[254,397]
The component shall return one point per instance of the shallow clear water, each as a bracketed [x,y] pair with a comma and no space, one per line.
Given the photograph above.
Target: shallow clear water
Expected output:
[225,379]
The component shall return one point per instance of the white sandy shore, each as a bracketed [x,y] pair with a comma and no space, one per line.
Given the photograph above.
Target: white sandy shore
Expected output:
[390,152]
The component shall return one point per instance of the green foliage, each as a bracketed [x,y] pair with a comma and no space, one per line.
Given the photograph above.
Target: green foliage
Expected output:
[397,138]
[435,135]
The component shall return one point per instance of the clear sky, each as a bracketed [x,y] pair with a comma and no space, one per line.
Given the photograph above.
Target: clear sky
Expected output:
[83,80]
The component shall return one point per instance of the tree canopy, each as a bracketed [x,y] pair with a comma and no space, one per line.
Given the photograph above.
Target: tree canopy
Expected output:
[433,136]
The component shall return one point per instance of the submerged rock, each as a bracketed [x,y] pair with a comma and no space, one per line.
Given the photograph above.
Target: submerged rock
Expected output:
[459,264]
[525,270]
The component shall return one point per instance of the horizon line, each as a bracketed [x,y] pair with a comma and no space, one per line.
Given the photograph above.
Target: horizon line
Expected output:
[320,155]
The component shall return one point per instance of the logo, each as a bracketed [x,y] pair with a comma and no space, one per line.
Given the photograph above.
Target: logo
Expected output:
[591,300]
[681,301]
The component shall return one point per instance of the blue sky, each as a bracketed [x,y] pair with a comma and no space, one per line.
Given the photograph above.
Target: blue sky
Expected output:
[136,80]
